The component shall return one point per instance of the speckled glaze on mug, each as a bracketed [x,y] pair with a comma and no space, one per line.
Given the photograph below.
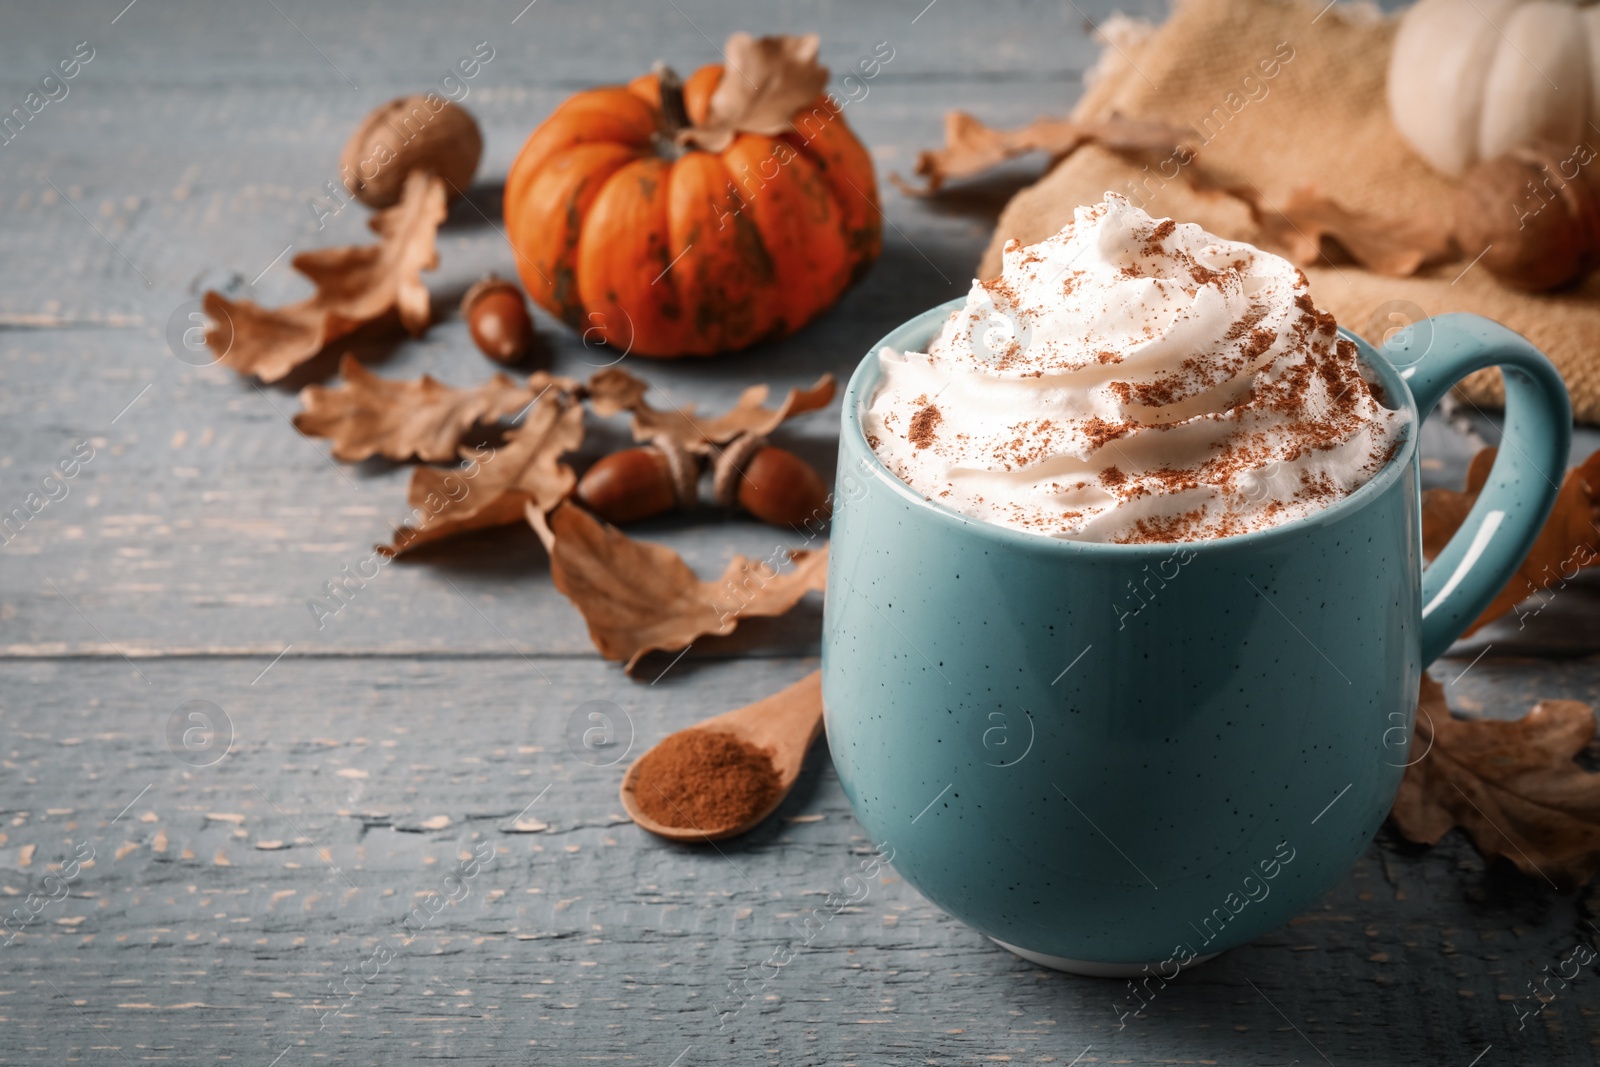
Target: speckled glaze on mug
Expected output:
[1095,754]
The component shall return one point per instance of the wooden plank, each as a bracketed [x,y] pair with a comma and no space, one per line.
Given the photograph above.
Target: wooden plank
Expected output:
[204,509]
[591,939]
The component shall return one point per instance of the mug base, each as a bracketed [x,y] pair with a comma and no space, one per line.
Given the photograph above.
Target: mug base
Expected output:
[1089,968]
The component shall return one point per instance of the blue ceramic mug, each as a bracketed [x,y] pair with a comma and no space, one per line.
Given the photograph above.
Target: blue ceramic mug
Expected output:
[1115,759]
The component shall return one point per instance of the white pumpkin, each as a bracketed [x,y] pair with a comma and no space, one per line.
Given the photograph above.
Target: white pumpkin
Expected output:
[1469,79]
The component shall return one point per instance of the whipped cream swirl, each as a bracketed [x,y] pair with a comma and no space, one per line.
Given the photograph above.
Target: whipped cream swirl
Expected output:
[1133,380]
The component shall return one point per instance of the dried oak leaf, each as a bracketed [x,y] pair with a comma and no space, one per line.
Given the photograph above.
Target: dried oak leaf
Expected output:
[1444,510]
[1513,785]
[495,490]
[355,285]
[373,416]
[765,81]
[1569,541]
[1396,247]
[639,597]
[613,390]
[972,147]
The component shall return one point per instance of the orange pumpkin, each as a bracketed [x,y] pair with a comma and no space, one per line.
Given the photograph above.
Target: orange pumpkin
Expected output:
[665,251]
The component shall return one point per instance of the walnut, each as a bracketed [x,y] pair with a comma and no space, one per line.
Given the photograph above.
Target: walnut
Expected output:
[424,132]
[1533,214]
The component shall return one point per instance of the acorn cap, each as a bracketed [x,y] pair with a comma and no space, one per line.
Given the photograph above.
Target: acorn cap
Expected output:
[483,285]
[729,470]
[684,468]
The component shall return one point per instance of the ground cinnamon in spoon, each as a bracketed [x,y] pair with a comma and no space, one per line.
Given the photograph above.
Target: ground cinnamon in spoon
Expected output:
[704,780]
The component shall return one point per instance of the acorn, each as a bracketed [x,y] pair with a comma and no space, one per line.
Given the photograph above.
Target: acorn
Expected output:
[773,484]
[637,483]
[497,316]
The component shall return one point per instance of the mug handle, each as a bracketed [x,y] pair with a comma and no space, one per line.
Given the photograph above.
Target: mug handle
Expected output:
[1431,357]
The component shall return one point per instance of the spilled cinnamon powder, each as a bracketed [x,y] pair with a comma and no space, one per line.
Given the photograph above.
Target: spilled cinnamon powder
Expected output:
[704,780]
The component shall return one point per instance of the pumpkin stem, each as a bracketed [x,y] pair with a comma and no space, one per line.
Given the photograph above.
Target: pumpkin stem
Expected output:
[674,114]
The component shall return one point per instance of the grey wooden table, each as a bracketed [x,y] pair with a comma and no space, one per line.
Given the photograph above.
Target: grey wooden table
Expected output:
[247,901]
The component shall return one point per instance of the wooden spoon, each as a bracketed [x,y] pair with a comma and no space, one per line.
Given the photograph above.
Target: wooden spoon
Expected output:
[783,725]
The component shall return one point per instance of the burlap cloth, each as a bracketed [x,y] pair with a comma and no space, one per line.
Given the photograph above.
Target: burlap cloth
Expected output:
[1324,120]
